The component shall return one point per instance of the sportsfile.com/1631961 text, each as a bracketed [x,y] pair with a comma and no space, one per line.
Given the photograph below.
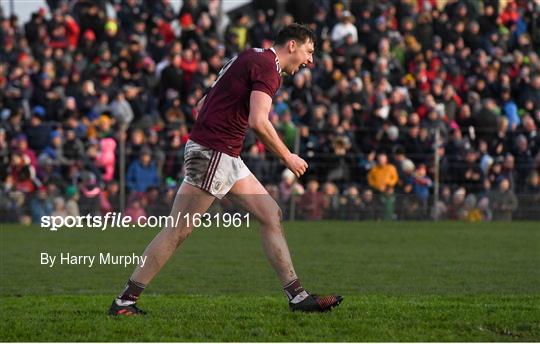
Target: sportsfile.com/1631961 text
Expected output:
[119,221]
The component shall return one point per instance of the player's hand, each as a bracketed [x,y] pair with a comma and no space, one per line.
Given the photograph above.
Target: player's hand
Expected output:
[296,164]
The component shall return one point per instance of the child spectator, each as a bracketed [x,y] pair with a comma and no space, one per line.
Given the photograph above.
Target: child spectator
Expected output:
[107,157]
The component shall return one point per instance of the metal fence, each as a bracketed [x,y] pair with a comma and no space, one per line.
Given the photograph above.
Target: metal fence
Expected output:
[432,184]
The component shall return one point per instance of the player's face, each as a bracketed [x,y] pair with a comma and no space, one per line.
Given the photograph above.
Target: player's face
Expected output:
[302,55]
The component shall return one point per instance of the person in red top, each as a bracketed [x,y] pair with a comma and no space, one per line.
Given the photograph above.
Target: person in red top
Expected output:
[240,98]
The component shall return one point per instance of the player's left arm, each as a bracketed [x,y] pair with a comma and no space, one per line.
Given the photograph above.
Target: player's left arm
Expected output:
[260,105]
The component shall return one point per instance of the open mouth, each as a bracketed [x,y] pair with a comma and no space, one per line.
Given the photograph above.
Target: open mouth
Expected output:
[302,65]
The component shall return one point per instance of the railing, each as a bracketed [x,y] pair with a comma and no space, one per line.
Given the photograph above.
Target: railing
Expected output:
[343,191]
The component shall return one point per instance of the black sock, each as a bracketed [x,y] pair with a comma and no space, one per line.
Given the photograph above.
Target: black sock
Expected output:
[292,289]
[132,291]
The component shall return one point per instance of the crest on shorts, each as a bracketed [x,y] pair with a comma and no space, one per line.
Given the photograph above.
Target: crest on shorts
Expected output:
[217,186]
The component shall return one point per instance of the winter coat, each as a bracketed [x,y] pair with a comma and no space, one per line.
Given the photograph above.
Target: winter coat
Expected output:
[107,158]
[140,178]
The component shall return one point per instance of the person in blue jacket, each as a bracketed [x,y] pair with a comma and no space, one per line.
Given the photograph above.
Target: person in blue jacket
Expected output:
[510,109]
[142,173]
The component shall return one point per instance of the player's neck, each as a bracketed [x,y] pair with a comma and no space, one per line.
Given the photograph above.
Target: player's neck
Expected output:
[280,54]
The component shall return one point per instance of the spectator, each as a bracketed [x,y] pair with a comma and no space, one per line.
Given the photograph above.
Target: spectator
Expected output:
[312,204]
[55,151]
[368,209]
[136,211]
[524,162]
[121,109]
[531,197]
[413,145]
[172,78]
[485,122]
[261,31]
[135,145]
[331,195]
[419,183]
[529,130]
[387,206]
[111,198]
[72,196]
[509,170]
[107,158]
[154,206]
[22,148]
[11,201]
[4,154]
[90,198]
[36,131]
[504,202]
[23,173]
[484,209]
[73,148]
[351,204]
[45,97]
[40,206]
[59,208]
[344,28]
[470,173]
[237,34]
[340,161]
[288,129]
[289,189]
[473,212]
[383,176]
[89,161]
[510,109]
[142,173]
[256,162]
[456,210]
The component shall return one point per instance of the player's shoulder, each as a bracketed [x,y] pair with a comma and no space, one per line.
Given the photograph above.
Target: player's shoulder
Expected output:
[258,52]
[262,57]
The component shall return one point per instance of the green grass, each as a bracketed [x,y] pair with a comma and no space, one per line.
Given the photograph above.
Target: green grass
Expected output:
[401,282]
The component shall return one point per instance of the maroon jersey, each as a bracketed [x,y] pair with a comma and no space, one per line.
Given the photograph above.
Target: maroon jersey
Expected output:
[223,120]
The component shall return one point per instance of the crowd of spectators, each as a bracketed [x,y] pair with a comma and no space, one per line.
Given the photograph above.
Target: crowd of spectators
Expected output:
[402,93]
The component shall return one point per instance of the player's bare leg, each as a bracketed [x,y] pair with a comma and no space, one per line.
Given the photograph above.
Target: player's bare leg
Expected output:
[189,200]
[252,196]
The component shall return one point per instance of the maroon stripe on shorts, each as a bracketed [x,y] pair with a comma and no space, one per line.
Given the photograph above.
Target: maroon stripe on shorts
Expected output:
[211,170]
[208,168]
[213,173]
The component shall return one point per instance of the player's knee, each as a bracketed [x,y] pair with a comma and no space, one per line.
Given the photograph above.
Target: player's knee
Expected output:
[273,219]
[181,233]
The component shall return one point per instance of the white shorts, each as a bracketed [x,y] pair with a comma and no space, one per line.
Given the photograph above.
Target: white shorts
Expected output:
[212,171]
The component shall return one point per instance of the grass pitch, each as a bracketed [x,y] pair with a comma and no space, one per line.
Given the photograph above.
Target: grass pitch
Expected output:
[402,281]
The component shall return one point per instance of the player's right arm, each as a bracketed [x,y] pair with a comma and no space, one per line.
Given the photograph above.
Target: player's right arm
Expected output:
[260,105]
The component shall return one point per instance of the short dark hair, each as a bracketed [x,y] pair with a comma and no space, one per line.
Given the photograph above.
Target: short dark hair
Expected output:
[300,33]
